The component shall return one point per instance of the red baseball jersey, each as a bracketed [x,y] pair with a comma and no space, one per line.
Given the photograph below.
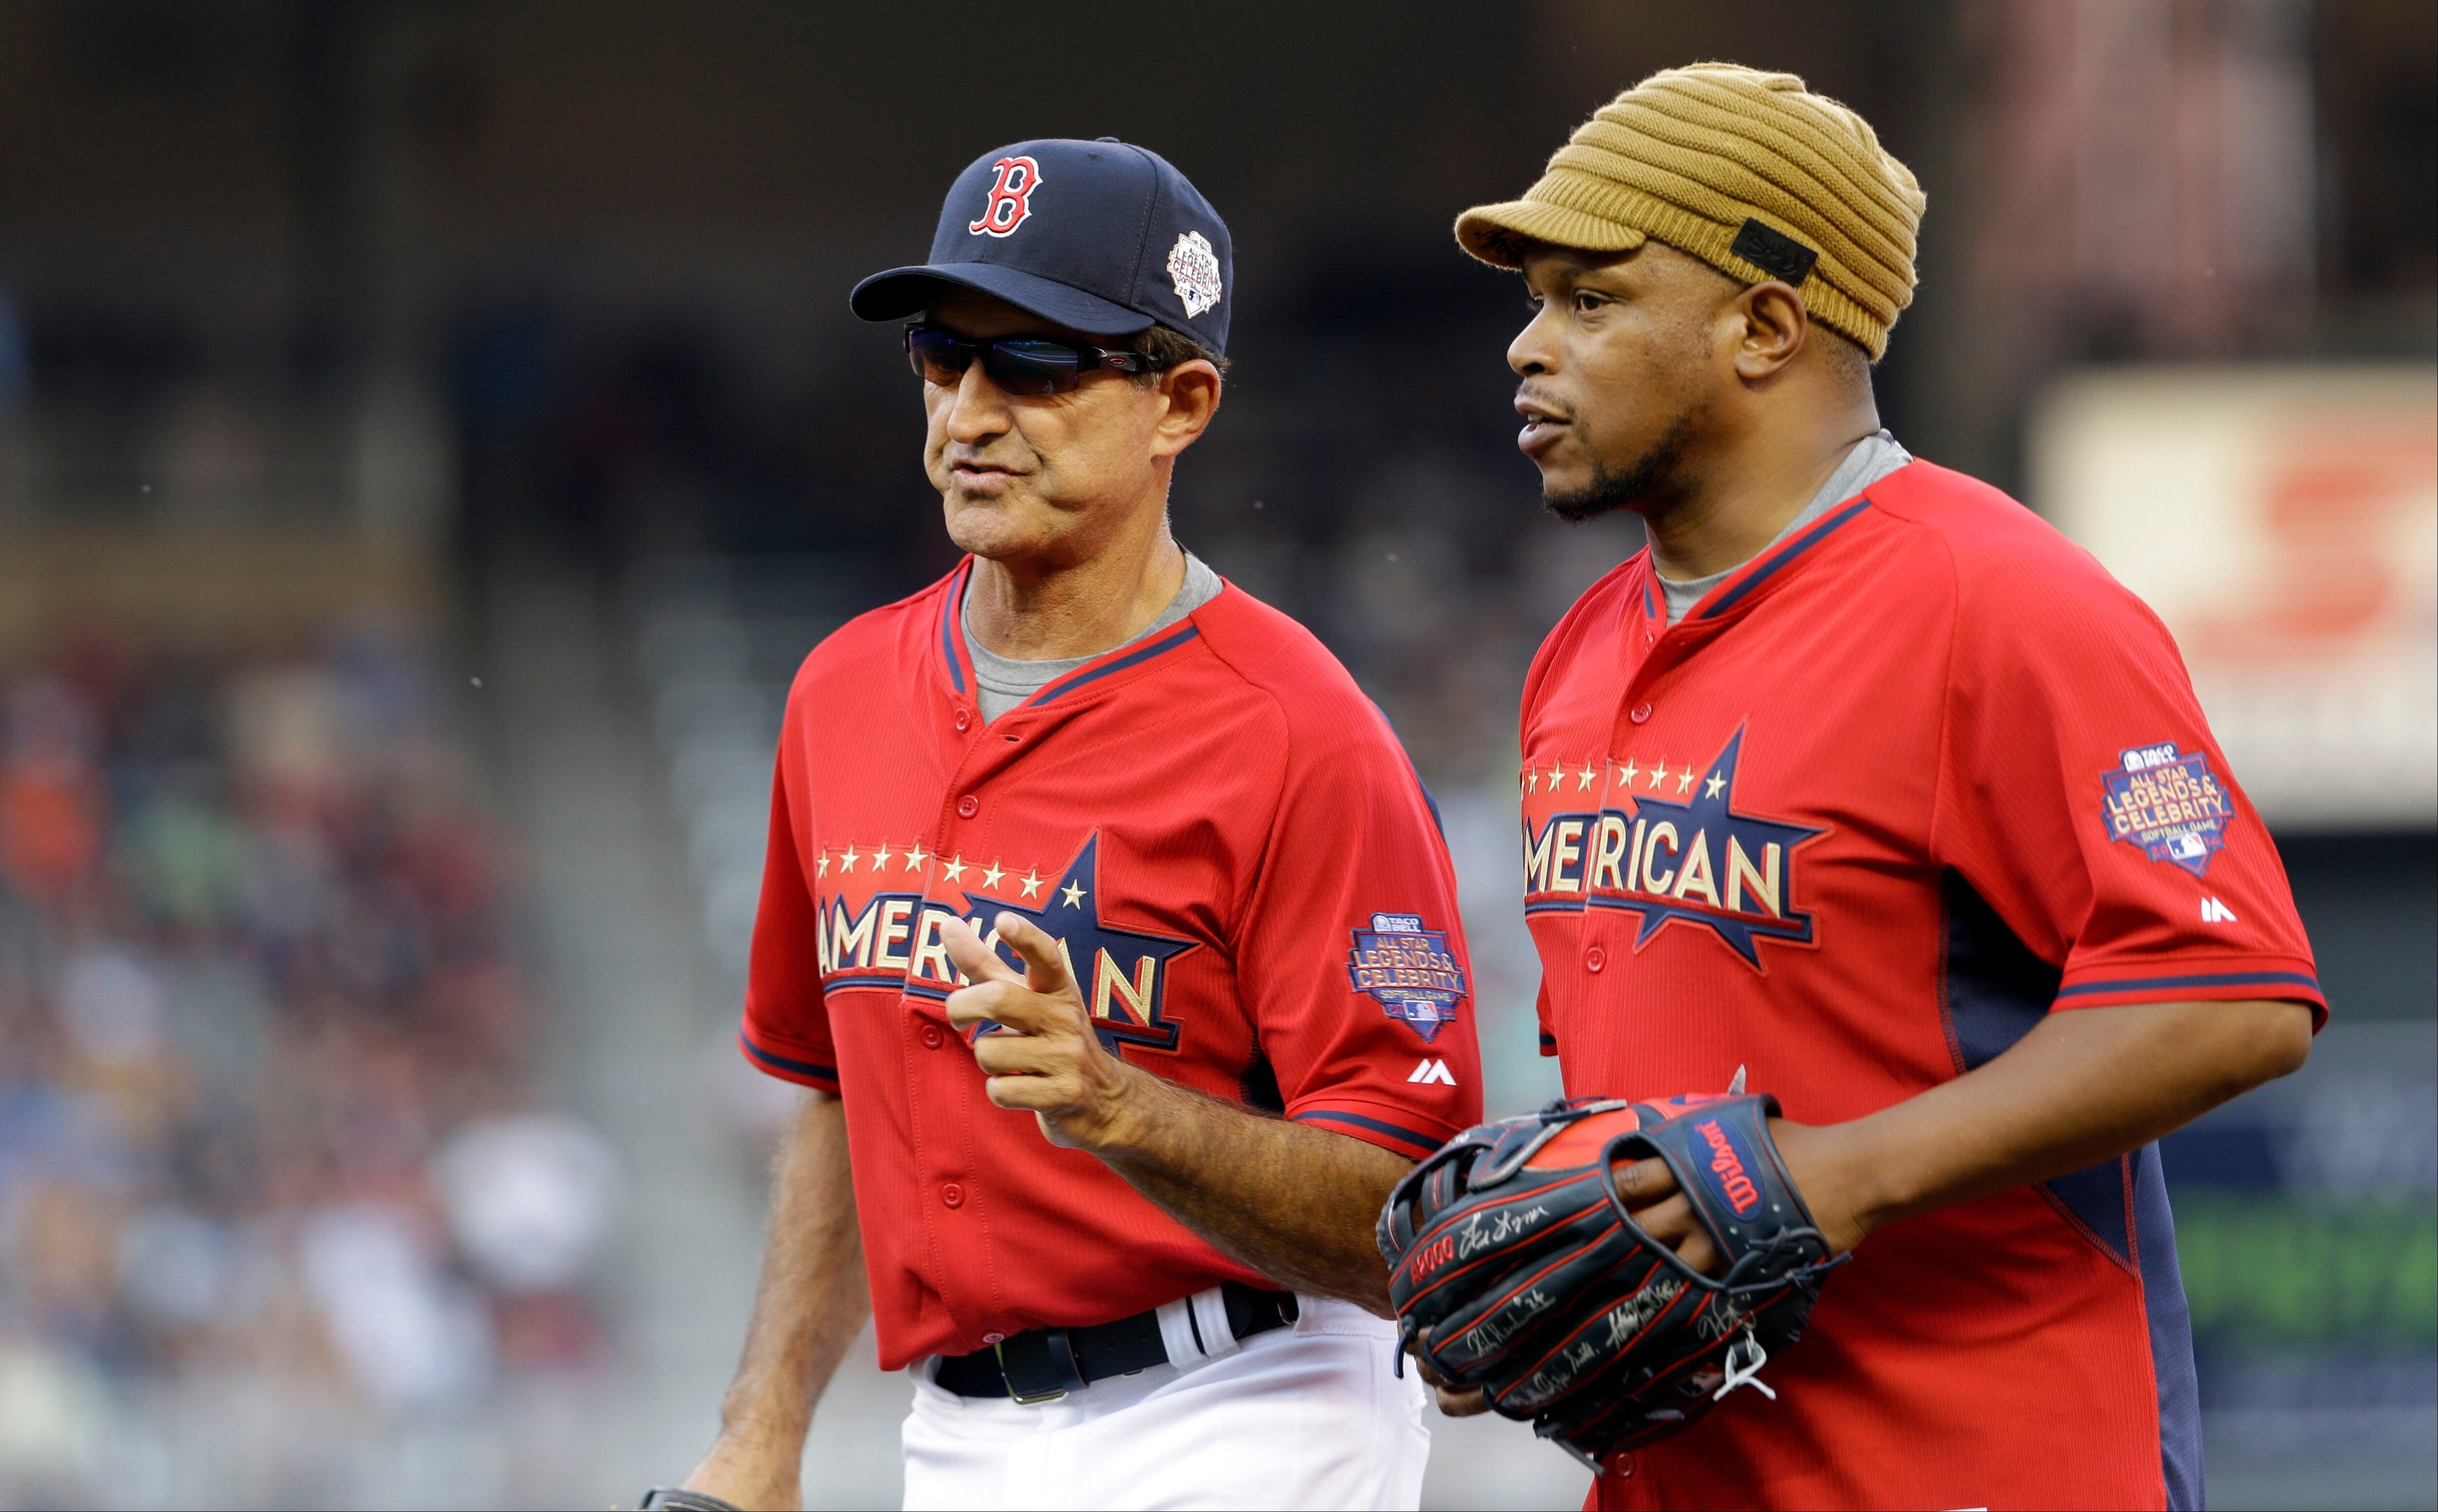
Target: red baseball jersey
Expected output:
[1886,796]
[1241,866]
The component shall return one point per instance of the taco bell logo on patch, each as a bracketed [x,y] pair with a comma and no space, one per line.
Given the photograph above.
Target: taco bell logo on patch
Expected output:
[2167,801]
[1409,970]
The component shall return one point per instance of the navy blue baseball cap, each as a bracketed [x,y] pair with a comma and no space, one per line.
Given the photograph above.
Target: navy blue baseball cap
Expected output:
[1102,238]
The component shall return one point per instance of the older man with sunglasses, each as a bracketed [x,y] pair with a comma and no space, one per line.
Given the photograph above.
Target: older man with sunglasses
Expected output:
[1109,925]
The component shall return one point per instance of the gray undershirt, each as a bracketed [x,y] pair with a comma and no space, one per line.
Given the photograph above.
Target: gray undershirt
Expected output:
[1002,682]
[1873,458]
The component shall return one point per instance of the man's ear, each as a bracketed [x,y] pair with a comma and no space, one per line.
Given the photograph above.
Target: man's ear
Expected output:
[1193,393]
[1776,329]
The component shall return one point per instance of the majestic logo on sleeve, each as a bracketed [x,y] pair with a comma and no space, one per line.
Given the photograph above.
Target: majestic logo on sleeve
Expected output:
[893,941]
[1682,854]
[1011,196]
[1409,971]
[2167,801]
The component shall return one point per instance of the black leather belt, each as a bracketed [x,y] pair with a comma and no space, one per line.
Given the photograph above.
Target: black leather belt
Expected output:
[1043,1364]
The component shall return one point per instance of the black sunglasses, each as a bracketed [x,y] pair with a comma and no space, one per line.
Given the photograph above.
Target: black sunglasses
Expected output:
[1019,364]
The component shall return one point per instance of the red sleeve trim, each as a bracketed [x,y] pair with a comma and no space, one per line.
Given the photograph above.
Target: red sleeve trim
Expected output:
[1548,1042]
[1393,1137]
[804,1073]
[2293,986]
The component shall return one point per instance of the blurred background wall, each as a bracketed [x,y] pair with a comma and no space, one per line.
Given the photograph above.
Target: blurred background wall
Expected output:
[432,433]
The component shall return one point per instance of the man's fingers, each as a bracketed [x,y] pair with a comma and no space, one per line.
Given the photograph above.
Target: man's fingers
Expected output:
[1034,1094]
[1673,1223]
[1645,1182]
[1012,1006]
[1019,1055]
[1649,1191]
[1699,1253]
[976,959]
[1456,1402]
[1039,1001]
[1670,1222]
[1046,970]
[985,1001]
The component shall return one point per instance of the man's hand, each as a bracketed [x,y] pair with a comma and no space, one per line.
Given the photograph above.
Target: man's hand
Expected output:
[745,1474]
[1044,1055]
[1290,1200]
[1456,1401]
[1811,1157]
[813,1298]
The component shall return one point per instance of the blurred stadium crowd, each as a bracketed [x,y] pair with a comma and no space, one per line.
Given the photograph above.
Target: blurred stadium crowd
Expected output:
[269,1114]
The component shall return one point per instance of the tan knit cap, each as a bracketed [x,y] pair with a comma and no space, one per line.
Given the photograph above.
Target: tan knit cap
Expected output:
[1696,156]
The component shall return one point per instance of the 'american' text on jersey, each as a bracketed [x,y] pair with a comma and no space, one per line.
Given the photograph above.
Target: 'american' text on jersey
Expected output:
[1617,851]
[897,935]
[1700,861]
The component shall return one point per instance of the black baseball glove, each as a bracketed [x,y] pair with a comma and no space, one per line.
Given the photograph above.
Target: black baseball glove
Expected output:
[1515,1267]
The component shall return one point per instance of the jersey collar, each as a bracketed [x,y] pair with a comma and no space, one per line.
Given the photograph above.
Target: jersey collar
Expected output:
[1124,659]
[1743,587]
[1722,601]
[953,660]
[1653,643]
[1092,676]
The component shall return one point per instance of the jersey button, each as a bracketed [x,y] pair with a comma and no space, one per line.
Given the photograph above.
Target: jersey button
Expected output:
[968,806]
[932,1038]
[952,1195]
[1640,714]
[965,719]
[1594,959]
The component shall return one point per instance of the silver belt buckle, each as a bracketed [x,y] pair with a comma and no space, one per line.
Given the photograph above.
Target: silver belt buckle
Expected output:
[1038,1382]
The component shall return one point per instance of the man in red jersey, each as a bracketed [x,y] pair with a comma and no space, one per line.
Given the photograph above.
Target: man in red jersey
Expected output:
[1863,779]
[1108,922]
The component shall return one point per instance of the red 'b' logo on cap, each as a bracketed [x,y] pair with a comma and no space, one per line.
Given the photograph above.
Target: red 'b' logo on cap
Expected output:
[1011,196]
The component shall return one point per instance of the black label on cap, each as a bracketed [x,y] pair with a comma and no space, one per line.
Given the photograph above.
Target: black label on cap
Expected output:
[1774,253]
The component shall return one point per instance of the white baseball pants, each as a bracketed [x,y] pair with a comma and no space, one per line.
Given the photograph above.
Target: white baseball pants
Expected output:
[1310,1416]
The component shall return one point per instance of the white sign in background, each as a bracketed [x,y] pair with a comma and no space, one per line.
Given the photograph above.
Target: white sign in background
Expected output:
[2283,522]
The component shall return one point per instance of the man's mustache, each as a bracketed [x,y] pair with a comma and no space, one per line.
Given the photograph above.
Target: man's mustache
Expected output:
[1530,400]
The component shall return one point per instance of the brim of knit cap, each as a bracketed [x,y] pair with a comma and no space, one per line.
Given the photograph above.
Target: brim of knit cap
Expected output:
[903,291]
[1489,231]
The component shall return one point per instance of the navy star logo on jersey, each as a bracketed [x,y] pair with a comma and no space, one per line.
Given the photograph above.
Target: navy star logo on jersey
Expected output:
[1123,974]
[1700,861]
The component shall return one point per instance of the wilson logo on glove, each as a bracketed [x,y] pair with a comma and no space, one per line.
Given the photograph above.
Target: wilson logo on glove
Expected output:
[1733,1183]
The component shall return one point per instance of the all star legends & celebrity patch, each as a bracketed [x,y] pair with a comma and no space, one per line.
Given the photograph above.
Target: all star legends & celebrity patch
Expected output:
[1409,971]
[2167,800]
